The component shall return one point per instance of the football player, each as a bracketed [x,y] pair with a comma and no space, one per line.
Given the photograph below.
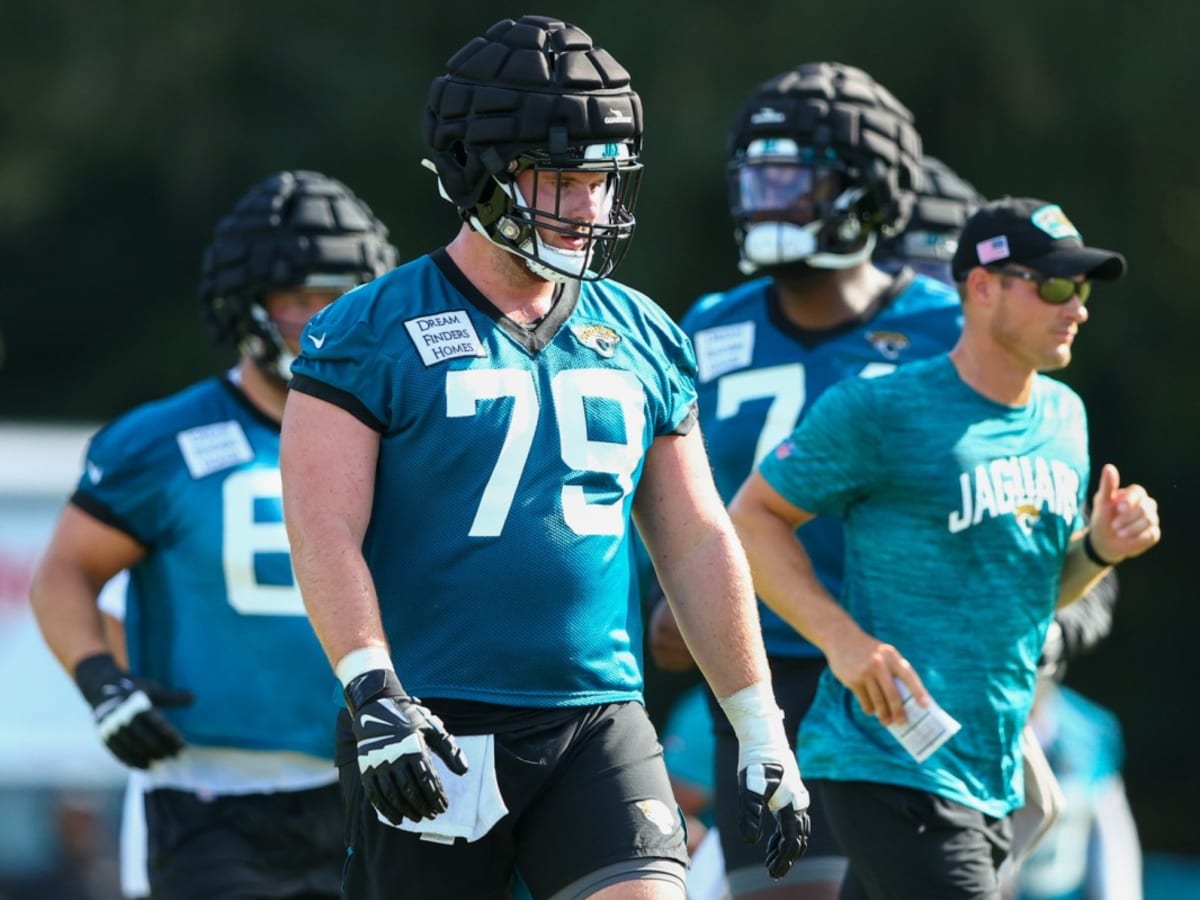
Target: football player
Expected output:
[224,699]
[467,444]
[823,166]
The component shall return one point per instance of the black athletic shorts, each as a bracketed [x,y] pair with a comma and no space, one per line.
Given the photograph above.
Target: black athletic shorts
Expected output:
[244,847]
[907,844]
[589,804]
[795,683]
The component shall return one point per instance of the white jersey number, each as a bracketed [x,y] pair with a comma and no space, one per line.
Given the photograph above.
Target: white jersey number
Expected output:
[244,537]
[569,390]
[785,385]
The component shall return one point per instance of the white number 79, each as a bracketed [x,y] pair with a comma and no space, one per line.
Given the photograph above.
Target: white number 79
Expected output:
[569,388]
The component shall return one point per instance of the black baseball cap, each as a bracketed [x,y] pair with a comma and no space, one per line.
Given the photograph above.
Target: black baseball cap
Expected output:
[1034,233]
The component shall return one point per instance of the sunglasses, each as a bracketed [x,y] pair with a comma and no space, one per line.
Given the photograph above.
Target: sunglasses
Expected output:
[1051,288]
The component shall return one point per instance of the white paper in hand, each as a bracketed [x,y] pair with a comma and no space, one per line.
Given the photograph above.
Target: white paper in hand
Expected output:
[927,728]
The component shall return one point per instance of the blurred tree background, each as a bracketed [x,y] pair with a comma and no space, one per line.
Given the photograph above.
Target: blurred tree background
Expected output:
[128,128]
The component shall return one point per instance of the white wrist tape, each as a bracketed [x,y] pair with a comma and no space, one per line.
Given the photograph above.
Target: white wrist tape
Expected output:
[364,659]
[756,719]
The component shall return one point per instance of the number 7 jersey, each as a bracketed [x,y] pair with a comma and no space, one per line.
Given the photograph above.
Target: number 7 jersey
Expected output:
[759,374]
[509,457]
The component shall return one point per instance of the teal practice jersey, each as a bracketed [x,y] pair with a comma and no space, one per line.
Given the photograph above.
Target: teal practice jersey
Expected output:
[499,539]
[759,374]
[194,478]
[958,515]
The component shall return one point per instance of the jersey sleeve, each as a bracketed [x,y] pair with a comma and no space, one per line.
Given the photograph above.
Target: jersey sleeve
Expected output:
[833,455]
[681,389]
[122,478]
[693,317]
[669,353]
[1068,411]
[342,363]
[1081,520]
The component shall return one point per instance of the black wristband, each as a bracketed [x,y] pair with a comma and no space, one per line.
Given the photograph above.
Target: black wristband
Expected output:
[1089,550]
[371,684]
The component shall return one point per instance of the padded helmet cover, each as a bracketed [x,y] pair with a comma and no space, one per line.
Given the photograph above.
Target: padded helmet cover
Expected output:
[944,203]
[529,86]
[831,105]
[944,200]
[293,228]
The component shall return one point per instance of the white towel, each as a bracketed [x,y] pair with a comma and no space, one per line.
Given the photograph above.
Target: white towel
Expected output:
[475,802]
[1044,799]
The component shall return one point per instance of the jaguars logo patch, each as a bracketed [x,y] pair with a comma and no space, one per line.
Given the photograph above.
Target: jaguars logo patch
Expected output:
[600,338]
[1027,516]
[889,343]
[1052,220]
[658,814]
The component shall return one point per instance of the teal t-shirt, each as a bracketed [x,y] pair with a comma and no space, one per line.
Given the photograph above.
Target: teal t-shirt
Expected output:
[958,513]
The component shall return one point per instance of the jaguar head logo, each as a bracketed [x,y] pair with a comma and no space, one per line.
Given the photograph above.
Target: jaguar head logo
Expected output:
[1027,516]
[600,338]
[889,343]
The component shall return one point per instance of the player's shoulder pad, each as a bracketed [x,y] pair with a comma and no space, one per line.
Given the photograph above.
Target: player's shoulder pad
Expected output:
[156,422]
[713,308]
[924,292]
[642,312]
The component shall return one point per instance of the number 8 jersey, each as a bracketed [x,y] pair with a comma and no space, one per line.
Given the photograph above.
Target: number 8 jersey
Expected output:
[509,456]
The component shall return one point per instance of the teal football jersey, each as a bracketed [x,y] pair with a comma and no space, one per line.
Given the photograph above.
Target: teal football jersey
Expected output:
[958,514]
[499,539]
[213,606]
[759,374]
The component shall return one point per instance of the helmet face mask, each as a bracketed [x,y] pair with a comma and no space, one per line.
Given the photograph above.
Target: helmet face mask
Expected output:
[536,95]
[555,244]
[847,151]
[792,204]
[784,190]
[293,231]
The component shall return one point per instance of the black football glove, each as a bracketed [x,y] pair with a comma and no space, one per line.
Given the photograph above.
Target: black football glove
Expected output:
[769,781]
[126,711]
[766,788]
[395,734]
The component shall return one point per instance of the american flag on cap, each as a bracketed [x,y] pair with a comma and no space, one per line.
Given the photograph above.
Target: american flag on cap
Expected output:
[992,249]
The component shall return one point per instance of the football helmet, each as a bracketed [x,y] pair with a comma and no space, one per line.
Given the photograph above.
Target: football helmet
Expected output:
[822,161]
[537,93]
[294,229]
[944,203]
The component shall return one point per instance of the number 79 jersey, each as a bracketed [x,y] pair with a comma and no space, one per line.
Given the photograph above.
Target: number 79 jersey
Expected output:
[509,457]
[213,607]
